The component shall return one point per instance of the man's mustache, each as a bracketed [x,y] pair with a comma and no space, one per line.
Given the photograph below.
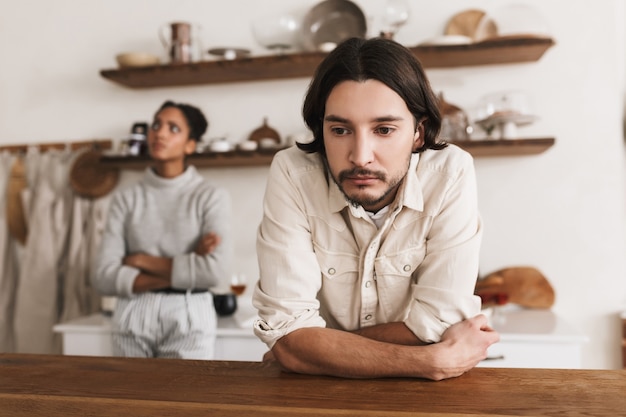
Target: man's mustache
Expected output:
[360,172]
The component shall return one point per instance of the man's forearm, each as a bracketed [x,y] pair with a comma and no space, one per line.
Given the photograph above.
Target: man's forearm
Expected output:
[334,352]
[324,351]
[395,332]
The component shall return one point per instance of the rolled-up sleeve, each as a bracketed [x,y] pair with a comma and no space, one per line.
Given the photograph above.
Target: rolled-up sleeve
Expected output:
[444,288]
[290,278]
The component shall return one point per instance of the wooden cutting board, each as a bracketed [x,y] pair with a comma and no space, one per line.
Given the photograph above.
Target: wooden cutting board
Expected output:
[472,23]
[89,178]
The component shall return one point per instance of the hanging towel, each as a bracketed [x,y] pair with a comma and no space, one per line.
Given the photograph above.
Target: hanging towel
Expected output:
[8,262]
[38,295]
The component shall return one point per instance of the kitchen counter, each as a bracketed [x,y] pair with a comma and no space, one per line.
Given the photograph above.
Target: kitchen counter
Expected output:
[101,323]
[46,385]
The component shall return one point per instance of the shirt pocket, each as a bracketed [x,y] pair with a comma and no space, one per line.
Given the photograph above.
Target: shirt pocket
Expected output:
[394,277]
[339,295]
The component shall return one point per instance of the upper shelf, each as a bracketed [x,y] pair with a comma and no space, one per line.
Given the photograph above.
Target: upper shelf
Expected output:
[506,147]
[502,50]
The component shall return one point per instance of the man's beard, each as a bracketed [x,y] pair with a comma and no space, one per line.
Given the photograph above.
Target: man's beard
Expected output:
[365,201]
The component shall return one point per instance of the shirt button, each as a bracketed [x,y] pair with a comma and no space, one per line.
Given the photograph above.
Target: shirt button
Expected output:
[407,268]
[368,317]
[368,284]
[331,271]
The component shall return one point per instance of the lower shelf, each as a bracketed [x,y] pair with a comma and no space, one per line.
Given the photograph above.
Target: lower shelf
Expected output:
[478,148]
[199,160]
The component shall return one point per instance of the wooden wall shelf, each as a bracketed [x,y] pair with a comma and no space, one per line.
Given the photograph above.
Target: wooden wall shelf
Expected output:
[506,147]
[478,148]
[200,160]
[271,67]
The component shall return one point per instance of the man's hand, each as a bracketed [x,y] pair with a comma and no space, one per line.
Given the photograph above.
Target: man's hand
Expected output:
[463,345]
[269,357]
[207,244]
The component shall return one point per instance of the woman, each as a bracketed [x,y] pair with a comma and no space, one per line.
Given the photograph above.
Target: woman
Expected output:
[167,242]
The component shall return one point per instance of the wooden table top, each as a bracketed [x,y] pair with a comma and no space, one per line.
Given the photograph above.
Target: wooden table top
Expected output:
[48,385]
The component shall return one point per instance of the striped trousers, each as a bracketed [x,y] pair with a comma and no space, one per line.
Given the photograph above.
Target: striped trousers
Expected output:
[165,325]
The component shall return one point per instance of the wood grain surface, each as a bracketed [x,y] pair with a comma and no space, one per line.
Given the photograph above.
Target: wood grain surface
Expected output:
[47,385]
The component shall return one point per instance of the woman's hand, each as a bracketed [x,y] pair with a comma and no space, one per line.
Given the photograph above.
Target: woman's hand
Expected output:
[153,265]
[136,260]
[207,244]
[146,282]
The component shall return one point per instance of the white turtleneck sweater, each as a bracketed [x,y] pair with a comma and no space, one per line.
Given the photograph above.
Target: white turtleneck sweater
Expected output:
[165,217]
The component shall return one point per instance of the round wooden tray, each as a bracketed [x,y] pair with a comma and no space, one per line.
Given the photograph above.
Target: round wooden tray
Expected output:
[472,23]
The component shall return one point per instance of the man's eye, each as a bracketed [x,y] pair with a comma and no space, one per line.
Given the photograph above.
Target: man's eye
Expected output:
[385,130]
[155,126]
[339,131]
[175,129]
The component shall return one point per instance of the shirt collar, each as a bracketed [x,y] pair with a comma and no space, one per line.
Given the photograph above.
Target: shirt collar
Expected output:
[336,199]
[410,192]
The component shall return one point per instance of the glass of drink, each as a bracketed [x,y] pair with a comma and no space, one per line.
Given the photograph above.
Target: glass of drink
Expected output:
[238,283]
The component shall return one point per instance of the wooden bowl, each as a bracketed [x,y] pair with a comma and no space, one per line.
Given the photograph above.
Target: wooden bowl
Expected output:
[136,59]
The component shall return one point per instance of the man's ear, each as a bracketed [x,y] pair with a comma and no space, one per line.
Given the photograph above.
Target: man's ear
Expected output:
[418,137]
[190,146]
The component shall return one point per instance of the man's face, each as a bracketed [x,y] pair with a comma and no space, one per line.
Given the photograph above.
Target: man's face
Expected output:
[369,135]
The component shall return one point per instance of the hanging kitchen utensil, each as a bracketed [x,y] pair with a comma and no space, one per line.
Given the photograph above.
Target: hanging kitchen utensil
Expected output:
[16,216]
[90,178]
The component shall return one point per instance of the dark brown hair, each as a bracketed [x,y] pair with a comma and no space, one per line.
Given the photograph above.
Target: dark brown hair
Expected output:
[196,121]
[378,59]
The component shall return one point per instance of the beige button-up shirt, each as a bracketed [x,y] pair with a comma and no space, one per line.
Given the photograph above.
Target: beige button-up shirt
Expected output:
[324,263]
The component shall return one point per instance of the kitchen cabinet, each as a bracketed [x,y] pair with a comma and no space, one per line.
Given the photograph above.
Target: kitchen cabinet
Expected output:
[534,338]
[235,341]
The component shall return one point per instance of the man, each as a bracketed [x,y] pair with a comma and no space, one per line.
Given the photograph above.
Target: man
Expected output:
[368,248]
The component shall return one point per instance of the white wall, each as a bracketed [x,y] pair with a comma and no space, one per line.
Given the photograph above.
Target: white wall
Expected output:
[562,211]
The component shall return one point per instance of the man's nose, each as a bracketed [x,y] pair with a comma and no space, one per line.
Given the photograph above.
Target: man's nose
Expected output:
[362,152]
